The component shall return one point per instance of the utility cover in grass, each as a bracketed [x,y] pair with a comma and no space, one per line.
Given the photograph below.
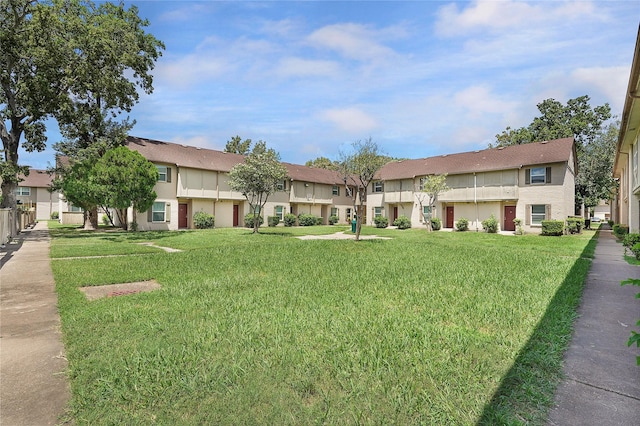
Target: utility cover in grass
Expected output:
[113,290]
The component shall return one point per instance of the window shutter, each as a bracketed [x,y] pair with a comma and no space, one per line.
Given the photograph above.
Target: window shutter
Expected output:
[547,211]
[527,212]
[149,214]
[167,212]
[548,177]
[527,176]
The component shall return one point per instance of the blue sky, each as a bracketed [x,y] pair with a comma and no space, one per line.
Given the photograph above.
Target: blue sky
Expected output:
[420,78]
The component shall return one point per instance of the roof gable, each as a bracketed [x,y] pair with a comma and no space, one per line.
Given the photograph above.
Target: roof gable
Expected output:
[491,159]
[36,179]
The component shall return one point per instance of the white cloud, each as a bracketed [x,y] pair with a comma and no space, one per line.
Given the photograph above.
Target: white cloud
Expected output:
[501,16]
[478,100]
[609,82]
[483,15]
[352,120]
[355,41]
[299,67]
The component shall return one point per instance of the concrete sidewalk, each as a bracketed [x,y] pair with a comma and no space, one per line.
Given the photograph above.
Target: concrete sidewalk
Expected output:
[602,384]
[33,383]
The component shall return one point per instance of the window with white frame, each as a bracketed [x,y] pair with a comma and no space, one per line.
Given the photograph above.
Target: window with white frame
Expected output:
[335,190]
[377,211]
[348,215]
[163,174]
[334,211]
[279,212]
[538,213]
[74,209]
[158,212]
[378,186]
[282,185]
[22,190]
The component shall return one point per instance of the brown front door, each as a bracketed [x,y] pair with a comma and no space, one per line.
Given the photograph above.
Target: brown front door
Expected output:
[449,218]
[395,214]
[509,215]
[182,216]
[235,215]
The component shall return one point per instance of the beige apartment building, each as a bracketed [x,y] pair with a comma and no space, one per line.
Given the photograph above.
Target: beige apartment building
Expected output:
[532,182]
[626,204]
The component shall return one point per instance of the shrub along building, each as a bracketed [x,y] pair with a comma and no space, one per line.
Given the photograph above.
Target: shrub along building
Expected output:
[532,182]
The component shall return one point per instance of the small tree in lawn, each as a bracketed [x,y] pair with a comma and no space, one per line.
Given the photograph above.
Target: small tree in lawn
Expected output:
[81,188]
[130,178]
[257,178]
[430,187]
[358,170]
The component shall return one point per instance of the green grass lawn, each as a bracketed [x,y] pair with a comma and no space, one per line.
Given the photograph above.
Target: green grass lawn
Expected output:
[425,328]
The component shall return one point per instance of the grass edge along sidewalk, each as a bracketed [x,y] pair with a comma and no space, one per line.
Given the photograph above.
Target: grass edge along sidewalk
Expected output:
[421,323]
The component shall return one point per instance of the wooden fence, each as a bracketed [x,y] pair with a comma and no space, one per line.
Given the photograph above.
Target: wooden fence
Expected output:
[14,221]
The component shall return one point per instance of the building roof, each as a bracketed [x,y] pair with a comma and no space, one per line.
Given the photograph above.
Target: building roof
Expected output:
[313,174]
[209,159]
[486,160]
[36,179]
[184,155]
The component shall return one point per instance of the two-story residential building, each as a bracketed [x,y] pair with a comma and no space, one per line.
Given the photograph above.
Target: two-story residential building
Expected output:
[34,192]
[626,205]
[533,182]
[195,179]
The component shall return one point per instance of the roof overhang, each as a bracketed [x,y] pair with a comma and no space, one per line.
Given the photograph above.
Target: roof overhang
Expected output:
[631,113]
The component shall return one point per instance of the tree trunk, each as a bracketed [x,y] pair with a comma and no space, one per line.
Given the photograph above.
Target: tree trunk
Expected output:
[359,221]
[122,218]
[91,219]
[8,195]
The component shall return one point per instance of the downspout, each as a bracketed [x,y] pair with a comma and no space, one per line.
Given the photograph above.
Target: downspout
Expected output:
[475,196]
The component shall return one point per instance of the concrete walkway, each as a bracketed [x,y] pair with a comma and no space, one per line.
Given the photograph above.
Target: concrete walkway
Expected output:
[602,385]
[33,383]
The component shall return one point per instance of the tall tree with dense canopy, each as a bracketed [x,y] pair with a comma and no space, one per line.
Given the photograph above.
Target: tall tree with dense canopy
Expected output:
[237,146]
[577,119]
[359,169]
[595,180]
[323,163]
[257,178]
[72,60]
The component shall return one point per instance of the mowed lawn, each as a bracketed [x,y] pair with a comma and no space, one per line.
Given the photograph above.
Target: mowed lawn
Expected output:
[424,328]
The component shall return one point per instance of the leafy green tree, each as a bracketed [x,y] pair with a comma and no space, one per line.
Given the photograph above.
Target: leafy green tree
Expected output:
[359,169]
[595,180]
[257,178]
[80,187]
[129,179]
[74,61]
[237,146]
[577,119]
[427,194]
[323,163]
